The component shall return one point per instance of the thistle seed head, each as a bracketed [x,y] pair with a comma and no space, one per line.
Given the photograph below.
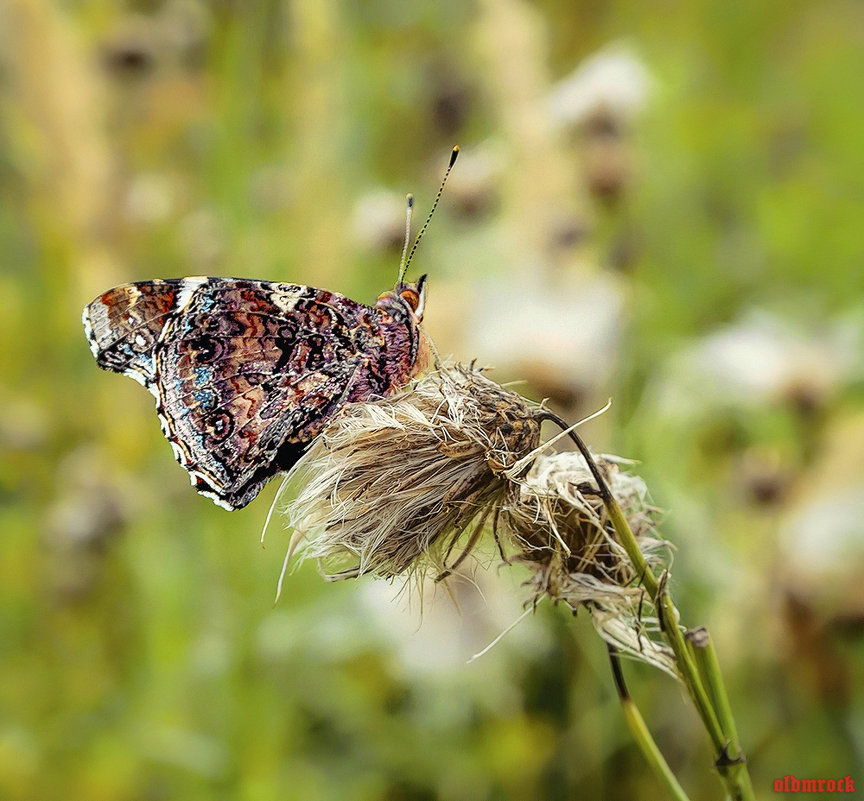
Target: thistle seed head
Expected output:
[558,520]
[400,478]
[560,530]
[390,486]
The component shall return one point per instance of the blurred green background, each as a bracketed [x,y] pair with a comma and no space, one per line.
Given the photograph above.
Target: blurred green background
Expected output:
[661,203]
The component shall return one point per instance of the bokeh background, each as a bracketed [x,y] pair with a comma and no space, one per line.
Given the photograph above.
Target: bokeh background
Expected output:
[658,203]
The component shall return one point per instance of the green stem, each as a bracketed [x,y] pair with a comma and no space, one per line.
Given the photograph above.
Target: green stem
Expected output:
[702,649]
[705,657]
[634,552]
[641,733]
[733,772]
[669,617]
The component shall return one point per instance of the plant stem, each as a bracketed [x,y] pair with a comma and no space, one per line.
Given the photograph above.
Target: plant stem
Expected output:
[641,733]
[731,767]
[705,657]
[733,772]
[702,649]
[669,617]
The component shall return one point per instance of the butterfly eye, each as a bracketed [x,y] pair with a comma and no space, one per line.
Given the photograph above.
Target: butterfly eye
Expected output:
[411,297]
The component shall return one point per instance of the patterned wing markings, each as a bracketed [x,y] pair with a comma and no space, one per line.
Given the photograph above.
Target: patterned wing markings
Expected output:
[322,391]
[233,449]
[203,396]
[124,324]
[245,373]
[253,402]
[235,424]
[197,362]
[274,342]
[244,383]
[114,318]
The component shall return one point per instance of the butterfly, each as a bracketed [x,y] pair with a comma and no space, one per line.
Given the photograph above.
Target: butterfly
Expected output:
[247,373]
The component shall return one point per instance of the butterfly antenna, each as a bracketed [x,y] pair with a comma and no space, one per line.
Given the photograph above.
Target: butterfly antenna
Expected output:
[402,265]
[404,268]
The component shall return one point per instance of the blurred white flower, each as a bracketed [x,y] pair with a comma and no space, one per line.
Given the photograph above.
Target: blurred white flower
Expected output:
[762,359]
[826,533]
[613,80]
[151,197]
[821,537]
[569,331]
[473,187]
[378,220]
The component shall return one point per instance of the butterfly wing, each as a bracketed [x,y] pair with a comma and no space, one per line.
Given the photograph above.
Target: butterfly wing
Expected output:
[245,373]
[124,325]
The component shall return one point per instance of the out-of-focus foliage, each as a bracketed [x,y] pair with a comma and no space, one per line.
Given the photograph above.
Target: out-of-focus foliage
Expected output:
[676,224]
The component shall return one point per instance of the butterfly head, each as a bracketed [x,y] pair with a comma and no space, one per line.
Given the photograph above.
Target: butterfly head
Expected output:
[405,299]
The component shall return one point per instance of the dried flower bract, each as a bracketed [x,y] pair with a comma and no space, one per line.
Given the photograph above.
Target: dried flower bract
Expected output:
[559,521]
[562,533]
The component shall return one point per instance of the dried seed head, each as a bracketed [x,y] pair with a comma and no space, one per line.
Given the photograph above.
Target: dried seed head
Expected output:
[559,520]
[391,485]
[403,477]
[562,533]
